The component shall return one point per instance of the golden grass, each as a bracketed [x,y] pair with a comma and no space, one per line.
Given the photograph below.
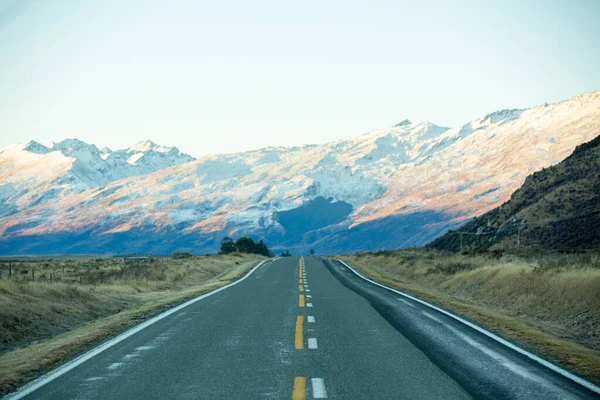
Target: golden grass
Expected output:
[55,321]
[552,311]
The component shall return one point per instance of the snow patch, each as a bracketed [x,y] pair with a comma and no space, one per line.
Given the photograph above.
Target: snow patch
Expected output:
[134,158]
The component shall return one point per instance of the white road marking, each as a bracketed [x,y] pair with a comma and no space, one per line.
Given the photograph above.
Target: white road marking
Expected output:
[318,388]
[506,362]
[489,334]
[312,343]
[143,348]
[308,304]
[407,303]
[63,369]
[115,365]
[433,317]
[307,290]
[310,318]
[308,296]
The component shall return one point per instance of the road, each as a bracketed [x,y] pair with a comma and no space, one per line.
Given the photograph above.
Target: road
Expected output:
[299,328]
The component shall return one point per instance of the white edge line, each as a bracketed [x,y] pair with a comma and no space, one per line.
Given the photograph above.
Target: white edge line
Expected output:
[318,388]
[52,375]
[497,338]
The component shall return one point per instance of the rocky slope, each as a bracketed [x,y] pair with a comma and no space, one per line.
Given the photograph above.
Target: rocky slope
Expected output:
[557,207]
[390,188]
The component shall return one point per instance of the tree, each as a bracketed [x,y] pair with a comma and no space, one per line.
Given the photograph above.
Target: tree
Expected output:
[227,246]
[312,252]
[245,245]
[261,248]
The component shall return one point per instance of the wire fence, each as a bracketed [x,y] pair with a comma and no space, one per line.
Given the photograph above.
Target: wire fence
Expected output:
[521,224]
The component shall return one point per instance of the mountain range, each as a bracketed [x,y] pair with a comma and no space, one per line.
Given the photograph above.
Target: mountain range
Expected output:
[32,174]
[395,187]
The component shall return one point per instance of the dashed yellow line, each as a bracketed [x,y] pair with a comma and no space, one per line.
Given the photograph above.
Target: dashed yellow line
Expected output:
[299,340]
[299,391]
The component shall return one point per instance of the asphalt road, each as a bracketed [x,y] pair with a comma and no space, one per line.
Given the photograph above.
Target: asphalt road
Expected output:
[307,329]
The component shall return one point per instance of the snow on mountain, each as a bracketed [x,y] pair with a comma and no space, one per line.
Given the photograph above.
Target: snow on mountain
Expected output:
[37,174]
[393,187]
[149,145]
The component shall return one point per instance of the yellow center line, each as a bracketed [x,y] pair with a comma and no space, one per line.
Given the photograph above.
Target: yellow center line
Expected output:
[301,288]
[299,340]
[300,270]
[299,391]
[301,301]
[299,280]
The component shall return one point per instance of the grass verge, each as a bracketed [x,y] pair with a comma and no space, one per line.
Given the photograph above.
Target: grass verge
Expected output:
[68,305]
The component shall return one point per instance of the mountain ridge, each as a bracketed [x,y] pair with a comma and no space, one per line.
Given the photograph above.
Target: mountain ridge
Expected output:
[404,185]
[36,173]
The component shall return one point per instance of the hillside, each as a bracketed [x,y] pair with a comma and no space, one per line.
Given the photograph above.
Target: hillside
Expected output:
[395,187]
[557,207]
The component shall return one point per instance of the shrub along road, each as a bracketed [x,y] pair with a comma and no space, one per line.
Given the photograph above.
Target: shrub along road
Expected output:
[306,328]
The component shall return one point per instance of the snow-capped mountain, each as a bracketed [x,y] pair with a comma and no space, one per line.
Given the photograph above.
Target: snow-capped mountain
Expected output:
[32,174]
[394,187]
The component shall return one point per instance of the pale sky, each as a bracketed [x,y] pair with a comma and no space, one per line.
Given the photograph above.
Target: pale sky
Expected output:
[226,76]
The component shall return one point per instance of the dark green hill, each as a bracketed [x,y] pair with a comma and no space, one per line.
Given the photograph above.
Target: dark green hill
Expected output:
[556,208]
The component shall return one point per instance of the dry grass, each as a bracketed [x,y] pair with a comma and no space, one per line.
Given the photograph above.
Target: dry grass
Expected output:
[43,323]
[551,305]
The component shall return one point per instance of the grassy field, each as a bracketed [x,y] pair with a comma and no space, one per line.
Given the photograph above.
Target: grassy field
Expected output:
[550,303]
[74,304]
